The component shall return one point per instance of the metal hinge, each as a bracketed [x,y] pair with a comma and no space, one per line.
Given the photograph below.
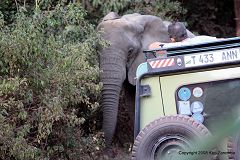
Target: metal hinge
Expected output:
[145,90]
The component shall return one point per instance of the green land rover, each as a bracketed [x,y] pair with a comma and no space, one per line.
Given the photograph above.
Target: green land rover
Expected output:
[188,103]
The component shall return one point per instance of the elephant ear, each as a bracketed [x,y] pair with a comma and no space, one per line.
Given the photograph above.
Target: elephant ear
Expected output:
[111,16]
[154,30]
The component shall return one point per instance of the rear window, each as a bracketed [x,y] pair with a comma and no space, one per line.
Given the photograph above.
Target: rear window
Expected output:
[209,102]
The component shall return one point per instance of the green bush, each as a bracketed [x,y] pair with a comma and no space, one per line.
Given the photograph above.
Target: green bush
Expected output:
[167,9]
[49,74]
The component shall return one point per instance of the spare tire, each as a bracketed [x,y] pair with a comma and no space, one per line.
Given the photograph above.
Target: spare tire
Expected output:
[166,137]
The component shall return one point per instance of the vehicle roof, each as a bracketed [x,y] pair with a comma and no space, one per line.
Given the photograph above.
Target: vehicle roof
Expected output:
[200,47]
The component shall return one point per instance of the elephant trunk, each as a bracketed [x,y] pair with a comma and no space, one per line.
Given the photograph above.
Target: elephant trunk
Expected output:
[112,76]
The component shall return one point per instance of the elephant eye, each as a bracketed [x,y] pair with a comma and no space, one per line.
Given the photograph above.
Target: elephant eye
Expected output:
[130,51]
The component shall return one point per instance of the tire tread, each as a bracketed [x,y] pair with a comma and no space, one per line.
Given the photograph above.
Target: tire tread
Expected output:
[178,118]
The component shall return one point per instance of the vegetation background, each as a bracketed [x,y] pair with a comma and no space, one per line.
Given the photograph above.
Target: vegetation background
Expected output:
[49,73]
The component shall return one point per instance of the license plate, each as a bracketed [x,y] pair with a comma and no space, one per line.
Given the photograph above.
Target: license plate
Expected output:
[213,57]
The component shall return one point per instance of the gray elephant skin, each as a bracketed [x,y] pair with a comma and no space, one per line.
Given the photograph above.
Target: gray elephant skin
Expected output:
[128,36]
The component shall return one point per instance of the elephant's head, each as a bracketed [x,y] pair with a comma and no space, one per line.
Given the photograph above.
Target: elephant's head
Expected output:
[128,36]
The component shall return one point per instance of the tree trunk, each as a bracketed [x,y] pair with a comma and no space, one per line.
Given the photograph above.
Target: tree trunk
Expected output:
[237,14]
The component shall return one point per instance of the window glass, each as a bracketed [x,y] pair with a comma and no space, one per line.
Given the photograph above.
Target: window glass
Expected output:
[210,102]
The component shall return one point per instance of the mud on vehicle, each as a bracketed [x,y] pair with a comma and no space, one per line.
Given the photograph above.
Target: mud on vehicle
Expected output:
[186,98]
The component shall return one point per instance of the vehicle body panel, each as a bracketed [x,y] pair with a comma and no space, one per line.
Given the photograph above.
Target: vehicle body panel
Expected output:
[150,106]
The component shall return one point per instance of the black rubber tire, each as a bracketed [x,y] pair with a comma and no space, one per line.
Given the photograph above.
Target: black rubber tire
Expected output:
[180,125]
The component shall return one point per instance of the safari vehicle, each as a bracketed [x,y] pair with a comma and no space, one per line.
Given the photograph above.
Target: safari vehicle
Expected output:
[183,97]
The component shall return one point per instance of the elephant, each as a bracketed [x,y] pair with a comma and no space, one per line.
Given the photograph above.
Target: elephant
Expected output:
[128,36]
[237,14]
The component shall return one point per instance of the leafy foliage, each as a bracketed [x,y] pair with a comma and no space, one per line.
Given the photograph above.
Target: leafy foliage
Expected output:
[49,82]
[167,9]
[49,74]
[210,17]
[108,6]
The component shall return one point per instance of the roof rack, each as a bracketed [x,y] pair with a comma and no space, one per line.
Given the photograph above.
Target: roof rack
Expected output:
[200,47]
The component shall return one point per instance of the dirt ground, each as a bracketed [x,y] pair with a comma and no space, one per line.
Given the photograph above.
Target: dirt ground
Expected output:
[120,153]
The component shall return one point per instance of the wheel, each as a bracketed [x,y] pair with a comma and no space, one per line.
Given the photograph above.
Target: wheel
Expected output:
[165,138]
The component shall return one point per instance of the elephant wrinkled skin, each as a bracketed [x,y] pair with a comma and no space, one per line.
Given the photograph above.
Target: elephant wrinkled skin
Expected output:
[128,36]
